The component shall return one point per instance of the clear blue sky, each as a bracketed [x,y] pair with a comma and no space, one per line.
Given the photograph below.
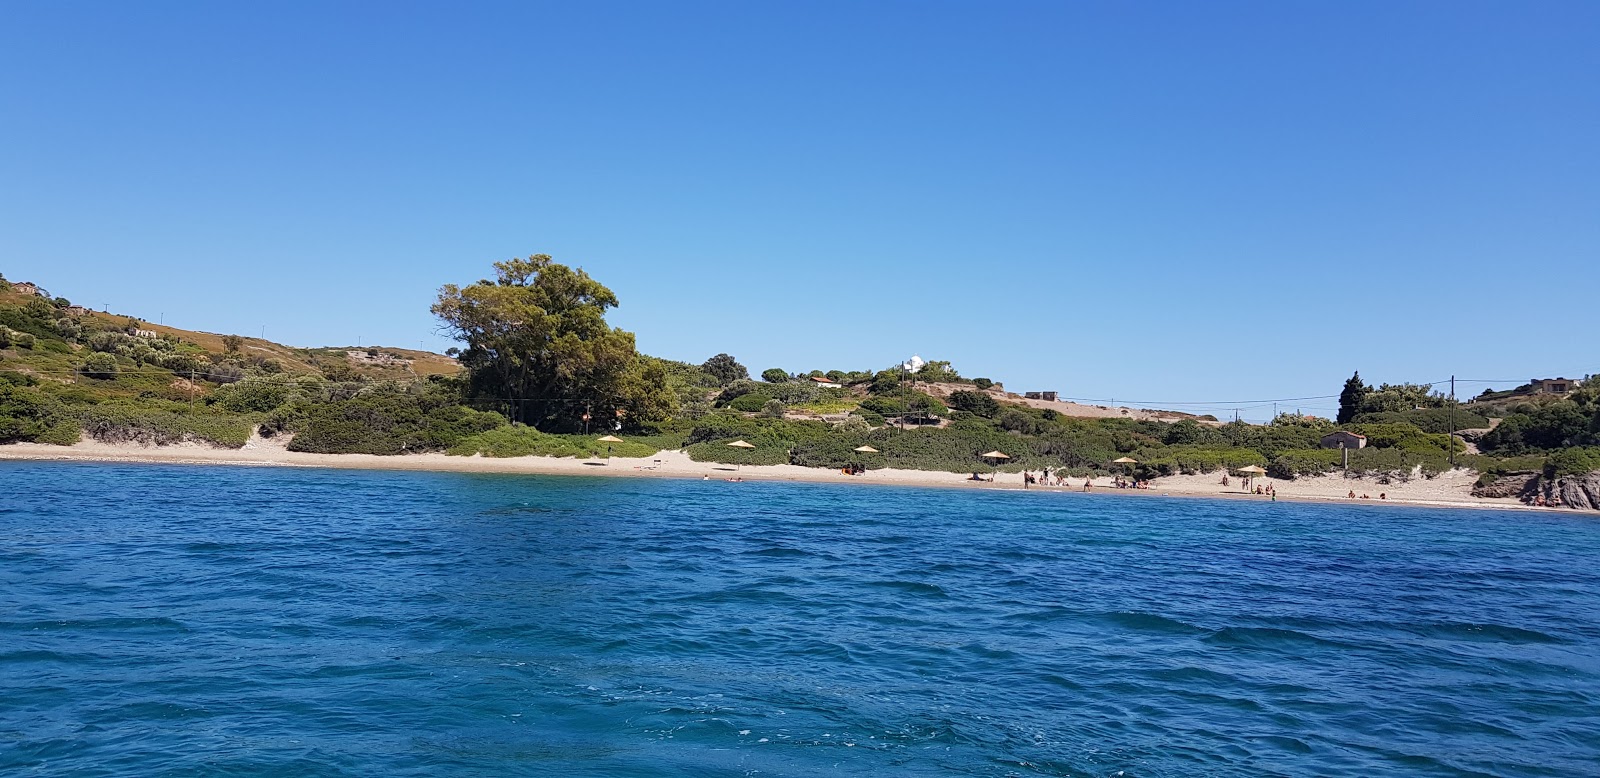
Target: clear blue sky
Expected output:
[1141,201]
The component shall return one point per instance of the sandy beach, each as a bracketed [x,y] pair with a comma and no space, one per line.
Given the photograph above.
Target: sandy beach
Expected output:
[1451,489]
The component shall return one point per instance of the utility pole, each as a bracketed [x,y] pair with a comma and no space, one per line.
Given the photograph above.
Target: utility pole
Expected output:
[1453,407]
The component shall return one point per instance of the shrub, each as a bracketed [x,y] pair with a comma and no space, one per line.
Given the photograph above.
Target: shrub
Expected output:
[26,414]
[750,403]
[222,373]
[382,421]
[982,383]
[980,403]
[884,406]
[522,441]
[164,424]
[774,375]
[1291,464]
[258,395]
[835,452]
[1572,461]
[99,365]
[773,408]
[1436,420]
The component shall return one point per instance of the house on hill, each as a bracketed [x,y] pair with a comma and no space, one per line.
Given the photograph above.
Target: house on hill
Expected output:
[1051,396]
[825,382]
[1342,439]
[146,334]
[1552,385]
[76,310]
[25,287]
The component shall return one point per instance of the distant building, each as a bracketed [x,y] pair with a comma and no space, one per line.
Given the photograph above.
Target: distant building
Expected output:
[25,287]
[146,334]
[1342,439]
[825,382]
[1552,385]
[913,364]
[76,310]
[1051,396]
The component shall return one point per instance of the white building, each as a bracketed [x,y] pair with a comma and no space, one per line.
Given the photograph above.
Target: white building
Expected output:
[913,364]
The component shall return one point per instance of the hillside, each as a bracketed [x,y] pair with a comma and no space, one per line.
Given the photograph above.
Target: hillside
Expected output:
[59,358]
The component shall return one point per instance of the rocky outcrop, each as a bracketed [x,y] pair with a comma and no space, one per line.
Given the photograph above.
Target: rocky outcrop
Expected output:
[1575,491]
[1521,485]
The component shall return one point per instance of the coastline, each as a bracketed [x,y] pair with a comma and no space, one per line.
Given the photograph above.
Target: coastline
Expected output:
[1449,490]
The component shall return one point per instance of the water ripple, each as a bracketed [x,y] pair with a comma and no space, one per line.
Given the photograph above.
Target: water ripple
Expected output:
[271,621]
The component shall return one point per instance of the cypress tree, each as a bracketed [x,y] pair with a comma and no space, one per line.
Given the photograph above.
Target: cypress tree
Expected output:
[1352,398]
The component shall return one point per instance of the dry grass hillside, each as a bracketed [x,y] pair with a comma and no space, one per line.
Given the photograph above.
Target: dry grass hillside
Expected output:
[376,362]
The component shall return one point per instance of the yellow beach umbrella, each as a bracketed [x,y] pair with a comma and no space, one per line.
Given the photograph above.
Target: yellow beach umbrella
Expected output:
[1125,461]
[995,455]
[1250,473]
[609,439]
[865,449]
[740,444]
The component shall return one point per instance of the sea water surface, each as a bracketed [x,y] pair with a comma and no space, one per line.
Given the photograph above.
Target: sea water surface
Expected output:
[264,621]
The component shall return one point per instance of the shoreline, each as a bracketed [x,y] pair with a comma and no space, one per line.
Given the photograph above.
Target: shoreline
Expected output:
[1450,490]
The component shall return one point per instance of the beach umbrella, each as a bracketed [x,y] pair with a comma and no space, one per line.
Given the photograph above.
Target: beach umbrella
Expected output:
[994,458]
[740,444]
[1125,461]
[863,450]
[1250,473]
[608,440]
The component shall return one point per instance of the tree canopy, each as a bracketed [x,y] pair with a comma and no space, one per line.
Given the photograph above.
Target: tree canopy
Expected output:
[726,369]
[539,348]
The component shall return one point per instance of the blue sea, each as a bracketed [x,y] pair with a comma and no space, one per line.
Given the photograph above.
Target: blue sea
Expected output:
[175,620]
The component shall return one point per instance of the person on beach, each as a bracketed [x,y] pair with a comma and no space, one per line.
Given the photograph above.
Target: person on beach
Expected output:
[1087,484]
[1352,494]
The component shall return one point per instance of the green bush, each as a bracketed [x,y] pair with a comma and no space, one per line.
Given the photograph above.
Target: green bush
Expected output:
[386,422]
[29,415]
[523,441]
[1436,420]
[749,403]
[1195,460]
[1572,461]
[1312,461]
[775,375]
[99,365]
[980,403]
[159,424]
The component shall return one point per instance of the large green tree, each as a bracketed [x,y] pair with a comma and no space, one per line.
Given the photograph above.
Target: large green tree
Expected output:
[1352,398]
[726,369]
[539,347]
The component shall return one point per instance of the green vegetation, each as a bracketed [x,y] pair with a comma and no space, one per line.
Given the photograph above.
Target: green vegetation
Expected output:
[544,374]
[725,369]
[521,441]
[1440,420]
[1549,426]
[539,349]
